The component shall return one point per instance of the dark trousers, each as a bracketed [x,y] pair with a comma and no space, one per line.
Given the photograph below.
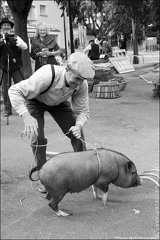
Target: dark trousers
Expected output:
[6,83]
[64,117]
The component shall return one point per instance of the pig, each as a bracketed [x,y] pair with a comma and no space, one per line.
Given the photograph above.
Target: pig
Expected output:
[75,171]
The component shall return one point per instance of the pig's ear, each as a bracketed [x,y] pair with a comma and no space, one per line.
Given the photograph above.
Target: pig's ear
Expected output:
[130,167]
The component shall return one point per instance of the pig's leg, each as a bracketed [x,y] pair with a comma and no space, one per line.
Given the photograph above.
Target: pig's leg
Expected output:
[54,205]
[95,192]
[104,198]
[104,188]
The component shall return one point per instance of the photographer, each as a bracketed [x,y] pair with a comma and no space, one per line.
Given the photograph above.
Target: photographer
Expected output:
[10,45]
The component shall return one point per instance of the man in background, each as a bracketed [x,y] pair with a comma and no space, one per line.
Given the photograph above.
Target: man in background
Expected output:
[123,43]
[92,50]
[10,45]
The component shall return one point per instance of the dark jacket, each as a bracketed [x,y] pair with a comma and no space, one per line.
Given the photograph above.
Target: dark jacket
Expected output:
[37,46]
[94,52]
[15,55]
[123,43]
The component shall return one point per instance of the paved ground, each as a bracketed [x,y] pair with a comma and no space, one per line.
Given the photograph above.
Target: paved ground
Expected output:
[128,124]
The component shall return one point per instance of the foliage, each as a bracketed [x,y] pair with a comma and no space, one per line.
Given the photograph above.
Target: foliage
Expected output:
[5,10]
[154,15]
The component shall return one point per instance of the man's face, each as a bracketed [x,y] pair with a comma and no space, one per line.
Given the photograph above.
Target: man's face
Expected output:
[72,79]
[6,28]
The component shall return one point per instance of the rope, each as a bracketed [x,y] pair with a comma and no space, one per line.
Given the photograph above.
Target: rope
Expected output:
[149,174]
[94,149]
[44,145]
[151,180]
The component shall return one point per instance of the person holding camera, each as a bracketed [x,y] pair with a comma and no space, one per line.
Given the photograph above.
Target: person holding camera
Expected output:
[44,47]
[10,60]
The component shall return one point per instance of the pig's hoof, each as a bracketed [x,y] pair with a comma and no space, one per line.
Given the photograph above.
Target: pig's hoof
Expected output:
[61,213]
[94,195]
[104,198]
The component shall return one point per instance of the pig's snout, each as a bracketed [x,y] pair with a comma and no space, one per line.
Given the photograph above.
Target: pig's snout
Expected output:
[138,181]
[141,181]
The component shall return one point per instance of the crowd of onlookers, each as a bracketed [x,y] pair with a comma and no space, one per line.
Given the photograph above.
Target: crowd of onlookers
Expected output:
[101,48]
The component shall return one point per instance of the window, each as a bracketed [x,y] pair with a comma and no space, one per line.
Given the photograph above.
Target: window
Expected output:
[43,10]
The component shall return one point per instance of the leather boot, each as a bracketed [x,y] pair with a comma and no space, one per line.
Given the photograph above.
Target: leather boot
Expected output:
[40,152]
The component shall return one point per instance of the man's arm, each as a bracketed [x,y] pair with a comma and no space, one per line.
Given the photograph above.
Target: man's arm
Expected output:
[21,44]
[98,42]
[87,49]
[80,104]
[28,89]
[81,109]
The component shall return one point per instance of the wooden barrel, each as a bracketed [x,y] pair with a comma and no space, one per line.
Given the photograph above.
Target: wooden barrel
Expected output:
[106,90]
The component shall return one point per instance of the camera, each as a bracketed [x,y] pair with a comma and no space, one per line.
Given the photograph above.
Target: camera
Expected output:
[9,36]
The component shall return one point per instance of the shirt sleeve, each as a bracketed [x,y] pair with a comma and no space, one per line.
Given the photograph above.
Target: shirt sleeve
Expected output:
[21,44]
[80,104]
[97,41]
[87,49]
[30,88]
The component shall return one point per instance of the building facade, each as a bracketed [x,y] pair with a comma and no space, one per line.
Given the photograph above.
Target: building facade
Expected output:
[48,12]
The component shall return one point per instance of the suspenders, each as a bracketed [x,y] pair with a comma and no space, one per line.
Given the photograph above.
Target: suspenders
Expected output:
[53,76]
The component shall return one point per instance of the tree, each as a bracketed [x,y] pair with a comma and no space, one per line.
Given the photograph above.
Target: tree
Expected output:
[20,10]
[134,9]
[5,10]
[84,10]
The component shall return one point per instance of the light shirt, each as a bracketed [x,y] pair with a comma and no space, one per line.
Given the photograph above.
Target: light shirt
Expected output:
[21,44]
[98,42]
[57,93]
[87,49]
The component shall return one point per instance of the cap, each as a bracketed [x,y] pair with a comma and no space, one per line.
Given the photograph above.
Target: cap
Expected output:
[81,65]
[6,20]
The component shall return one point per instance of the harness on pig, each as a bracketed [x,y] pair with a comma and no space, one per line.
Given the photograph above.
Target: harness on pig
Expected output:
[145,174]
[94,149]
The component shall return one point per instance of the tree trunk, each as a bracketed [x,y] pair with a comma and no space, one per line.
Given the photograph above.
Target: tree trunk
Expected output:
[135,42]
[71,27]
[20,22]
[20,10]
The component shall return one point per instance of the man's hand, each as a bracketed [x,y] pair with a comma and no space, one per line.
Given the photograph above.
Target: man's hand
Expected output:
[31,125]
[76,131]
